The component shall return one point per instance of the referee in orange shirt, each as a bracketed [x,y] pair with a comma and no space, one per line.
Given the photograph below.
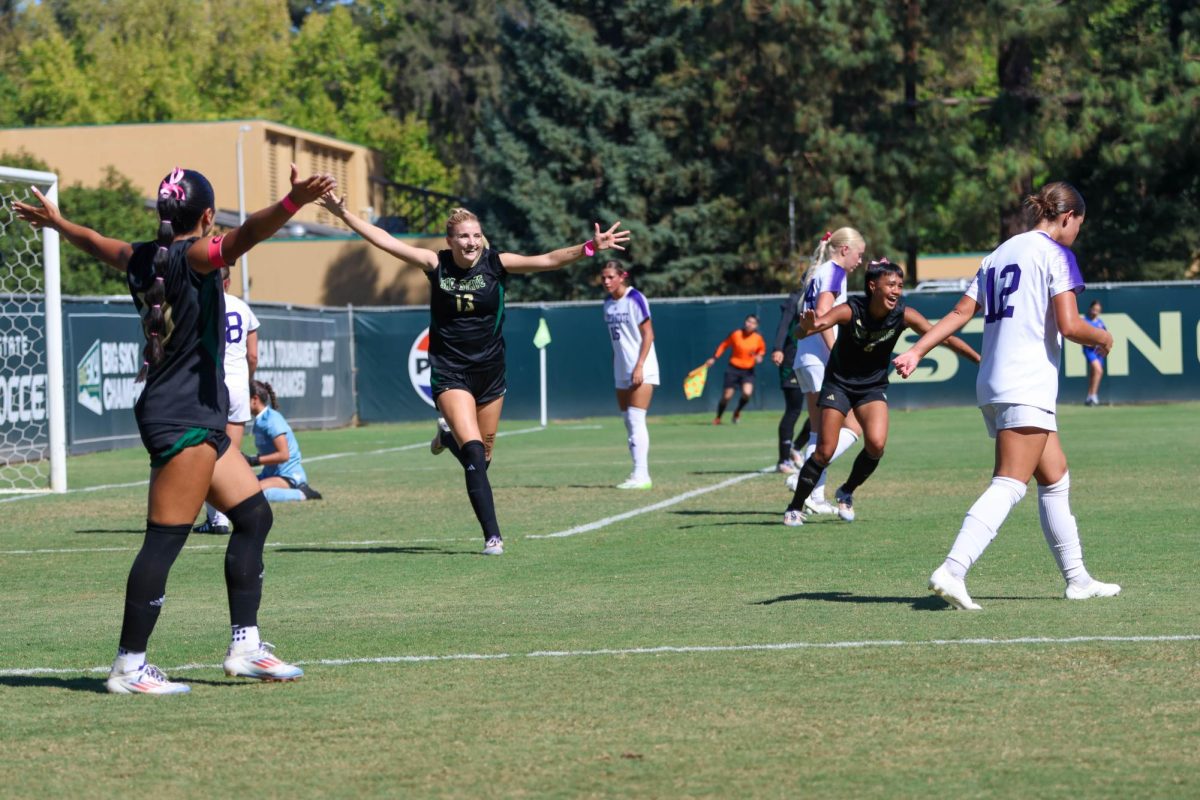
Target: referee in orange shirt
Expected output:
[747,348]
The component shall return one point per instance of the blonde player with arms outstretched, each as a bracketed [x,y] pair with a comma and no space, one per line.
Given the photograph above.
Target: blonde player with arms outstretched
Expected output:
[635,364]
[1026,289]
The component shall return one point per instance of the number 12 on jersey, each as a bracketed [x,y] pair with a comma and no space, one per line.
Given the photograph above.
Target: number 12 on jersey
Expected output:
[999,285]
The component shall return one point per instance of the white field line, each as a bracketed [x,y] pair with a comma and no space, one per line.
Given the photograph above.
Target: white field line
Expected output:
[670,501]
[665,650]
[326,457]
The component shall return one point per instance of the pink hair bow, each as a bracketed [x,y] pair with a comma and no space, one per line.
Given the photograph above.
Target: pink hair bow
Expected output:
[171,186]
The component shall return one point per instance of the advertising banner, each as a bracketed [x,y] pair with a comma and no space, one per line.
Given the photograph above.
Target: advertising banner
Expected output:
[23,422]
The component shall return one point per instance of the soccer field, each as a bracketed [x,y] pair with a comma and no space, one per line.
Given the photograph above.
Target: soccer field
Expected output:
[678,642]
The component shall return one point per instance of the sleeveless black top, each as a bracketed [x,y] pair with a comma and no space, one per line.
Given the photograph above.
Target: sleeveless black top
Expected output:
[188,386]
[466,310]
[863,351]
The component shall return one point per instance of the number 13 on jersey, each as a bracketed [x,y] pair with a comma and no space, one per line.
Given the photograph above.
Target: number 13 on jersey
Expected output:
[999,285]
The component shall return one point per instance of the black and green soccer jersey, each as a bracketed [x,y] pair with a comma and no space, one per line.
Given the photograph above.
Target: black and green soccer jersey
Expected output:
[863,351]
[466,310]
[188,386]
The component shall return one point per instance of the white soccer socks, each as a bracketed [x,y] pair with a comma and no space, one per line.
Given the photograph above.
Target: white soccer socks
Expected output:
[846,440]
[1060,530]
[639,442]
[982,523]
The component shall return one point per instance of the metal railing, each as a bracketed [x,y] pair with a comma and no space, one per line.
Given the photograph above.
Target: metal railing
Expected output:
[403,208]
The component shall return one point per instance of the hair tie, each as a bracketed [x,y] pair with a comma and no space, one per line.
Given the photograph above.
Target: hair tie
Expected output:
[828,235]
[158,278]
[154,333]
[157,305]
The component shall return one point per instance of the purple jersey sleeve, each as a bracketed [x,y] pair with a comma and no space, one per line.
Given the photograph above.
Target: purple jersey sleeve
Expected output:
[639,302]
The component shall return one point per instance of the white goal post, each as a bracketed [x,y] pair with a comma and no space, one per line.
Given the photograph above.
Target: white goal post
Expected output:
[33,432]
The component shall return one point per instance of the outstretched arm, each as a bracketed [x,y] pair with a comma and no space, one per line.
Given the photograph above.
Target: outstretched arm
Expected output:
[838,315]
[378,237]
[952,323]
[260,225]
[916,320]
[611,239]
[45,214]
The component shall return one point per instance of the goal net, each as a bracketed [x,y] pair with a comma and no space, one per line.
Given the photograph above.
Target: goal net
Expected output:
[32,386]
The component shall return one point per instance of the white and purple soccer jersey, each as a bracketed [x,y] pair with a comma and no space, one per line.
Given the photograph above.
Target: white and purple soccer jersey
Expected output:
[239,323]
[623,318]
[1021,344]
[829,277]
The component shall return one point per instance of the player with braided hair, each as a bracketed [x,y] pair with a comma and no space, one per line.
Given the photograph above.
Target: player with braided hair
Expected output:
[183,410]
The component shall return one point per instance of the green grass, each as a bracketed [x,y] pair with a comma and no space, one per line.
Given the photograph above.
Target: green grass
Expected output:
[388,565]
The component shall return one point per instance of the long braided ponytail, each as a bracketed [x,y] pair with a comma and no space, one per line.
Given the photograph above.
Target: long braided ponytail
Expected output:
[183,197]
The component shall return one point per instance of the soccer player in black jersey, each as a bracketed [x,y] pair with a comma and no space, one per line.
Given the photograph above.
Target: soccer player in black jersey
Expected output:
[856,378]
[466,342]
[183,410]
[782,356]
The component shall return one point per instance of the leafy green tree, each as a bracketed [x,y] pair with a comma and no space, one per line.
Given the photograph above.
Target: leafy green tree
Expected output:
[600,122]
[115,208]
[337,88]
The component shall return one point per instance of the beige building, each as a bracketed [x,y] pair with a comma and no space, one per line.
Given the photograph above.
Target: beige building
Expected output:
[315,260]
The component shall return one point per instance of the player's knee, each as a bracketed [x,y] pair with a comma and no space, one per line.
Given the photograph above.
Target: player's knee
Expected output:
[474,456]
[252,516]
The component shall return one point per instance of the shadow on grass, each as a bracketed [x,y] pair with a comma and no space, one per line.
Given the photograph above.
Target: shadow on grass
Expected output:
[416,550]
[703,513]
[924,603]
[744,524]
[111,530]
[92,685]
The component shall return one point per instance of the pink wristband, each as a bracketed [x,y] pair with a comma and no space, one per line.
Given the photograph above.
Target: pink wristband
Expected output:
[289,205]
[214,252]
[589,248]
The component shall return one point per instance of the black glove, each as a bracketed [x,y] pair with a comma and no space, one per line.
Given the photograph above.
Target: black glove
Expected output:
[251,460]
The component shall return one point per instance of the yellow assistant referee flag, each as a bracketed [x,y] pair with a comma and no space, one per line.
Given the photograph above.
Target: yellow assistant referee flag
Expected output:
[693,384]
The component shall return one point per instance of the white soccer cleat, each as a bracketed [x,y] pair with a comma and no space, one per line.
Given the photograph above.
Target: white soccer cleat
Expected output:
[786,467]
[793,518]
[494,547]
[792,481]
[146,679]
[260,663]
[635,483]
[812,506]
[798,458]
[1094,589]
[845,505]
[436,446]
[952,590]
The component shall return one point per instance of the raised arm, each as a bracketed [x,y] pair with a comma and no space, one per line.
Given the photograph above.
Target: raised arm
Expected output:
[260,225]
[1076,329]
[378,237]
[916,321]
[950,324]
[45,214]
[611,239]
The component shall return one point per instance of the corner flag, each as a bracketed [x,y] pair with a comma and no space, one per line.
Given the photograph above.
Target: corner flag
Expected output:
[542,337]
